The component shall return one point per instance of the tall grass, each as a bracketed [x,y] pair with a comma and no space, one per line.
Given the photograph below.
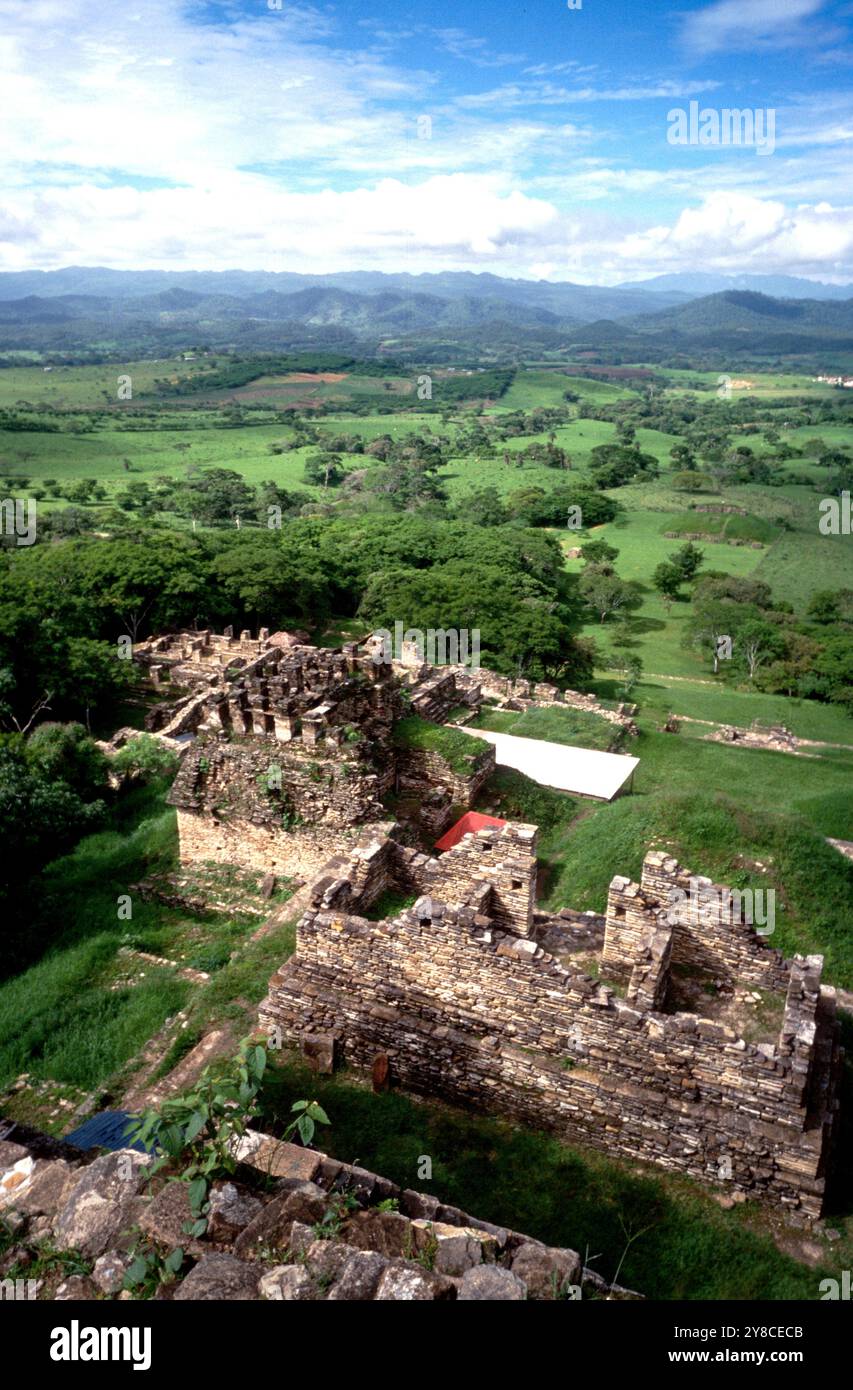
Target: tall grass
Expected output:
[67,1016]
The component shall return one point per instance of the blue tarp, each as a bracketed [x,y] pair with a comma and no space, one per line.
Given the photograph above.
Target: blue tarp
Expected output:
[104,1131]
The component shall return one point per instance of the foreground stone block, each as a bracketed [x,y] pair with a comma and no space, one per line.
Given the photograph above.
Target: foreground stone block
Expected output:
[406,1283]
[231,1210]
[325,1259]
[109,1271]
[386,1231]
[454,1249]
[102,1204]
[546,1270]
[286,1161]
[288,1284]
[49,1187]
[359,1278]
[166,1215]
[490,1283]
[76,1289]
[219,1278]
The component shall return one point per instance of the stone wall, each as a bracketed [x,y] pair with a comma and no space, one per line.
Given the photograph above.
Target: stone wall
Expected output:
[713,936]
[297,854]
[484,1016]
[439,791]
[385,1243]
[492,870]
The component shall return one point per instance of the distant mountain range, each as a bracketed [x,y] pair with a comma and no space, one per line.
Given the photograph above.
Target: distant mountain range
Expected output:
[564,300]
[703,282]
[67,310]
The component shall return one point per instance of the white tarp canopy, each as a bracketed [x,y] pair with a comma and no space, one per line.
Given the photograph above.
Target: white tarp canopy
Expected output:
[582,770]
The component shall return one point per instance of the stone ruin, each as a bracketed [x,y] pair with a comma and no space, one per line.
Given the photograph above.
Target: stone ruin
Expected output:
[568,1022]
[294,749]
[292,1225]
[288,750]
[474,996]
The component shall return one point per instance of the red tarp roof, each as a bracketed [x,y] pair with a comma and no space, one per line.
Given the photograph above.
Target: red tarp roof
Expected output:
[471,821]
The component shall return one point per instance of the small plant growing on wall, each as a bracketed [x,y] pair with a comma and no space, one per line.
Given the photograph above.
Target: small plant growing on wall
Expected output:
[195,1135]
[149,1269]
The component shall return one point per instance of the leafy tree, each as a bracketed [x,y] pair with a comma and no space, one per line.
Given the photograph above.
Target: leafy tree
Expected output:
[41,813]
[688,560]
[690,481]
[711,619]
[667,579]
[607,594]
[599,553]
[831,606]
[146,758]
[66,753]
[323,469]
[757,642]
[682,456]
[218,496]
[833,672]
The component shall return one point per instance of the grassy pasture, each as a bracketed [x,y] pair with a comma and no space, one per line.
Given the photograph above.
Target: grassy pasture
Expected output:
[718,703]
[655,633]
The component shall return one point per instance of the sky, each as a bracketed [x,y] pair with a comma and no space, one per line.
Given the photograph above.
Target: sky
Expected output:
[531,140]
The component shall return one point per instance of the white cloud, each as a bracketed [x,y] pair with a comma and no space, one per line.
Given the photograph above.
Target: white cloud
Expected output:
[164,137]
[732,25]
[734,231]
[547,94]
[246,221]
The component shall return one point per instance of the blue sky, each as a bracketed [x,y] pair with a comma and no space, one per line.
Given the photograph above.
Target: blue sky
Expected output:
[523,139]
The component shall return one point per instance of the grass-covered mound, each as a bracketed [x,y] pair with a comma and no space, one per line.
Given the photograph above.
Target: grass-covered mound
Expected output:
[728,526]
[576,727]
[459,751]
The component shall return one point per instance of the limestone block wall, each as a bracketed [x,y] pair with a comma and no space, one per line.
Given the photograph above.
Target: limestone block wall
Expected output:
[257,781]
[297,854]
[709,933]
[484,1017]
[628,922]
[713,938]
[495,866]
[355,880]
[650,977]
[422,772]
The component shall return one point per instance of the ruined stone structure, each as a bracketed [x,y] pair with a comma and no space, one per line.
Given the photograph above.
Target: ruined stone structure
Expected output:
[262,1241]
[623,1033]
[465,1002]
[295,748]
